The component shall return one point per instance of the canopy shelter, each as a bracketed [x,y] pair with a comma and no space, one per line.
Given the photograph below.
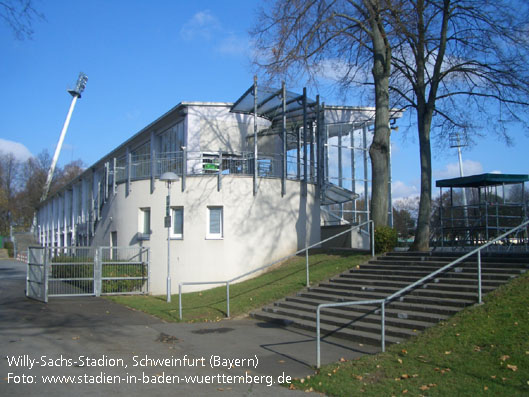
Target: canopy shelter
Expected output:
[483,180]
[295,118]
[270,101]
[497,203]
[324,145]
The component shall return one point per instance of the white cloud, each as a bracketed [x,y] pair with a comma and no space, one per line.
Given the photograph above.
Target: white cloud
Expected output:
[202,25]
[401,190]
[18,149]
[451,170]
[233,45]
[335,69]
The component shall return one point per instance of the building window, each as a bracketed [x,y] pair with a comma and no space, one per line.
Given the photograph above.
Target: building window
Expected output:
[177,223]
[215,223]
[144,223]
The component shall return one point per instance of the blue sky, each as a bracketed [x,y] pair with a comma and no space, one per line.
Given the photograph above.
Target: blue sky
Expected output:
[142,58]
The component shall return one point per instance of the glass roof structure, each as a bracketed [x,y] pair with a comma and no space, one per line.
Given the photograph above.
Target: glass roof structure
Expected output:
[270,104]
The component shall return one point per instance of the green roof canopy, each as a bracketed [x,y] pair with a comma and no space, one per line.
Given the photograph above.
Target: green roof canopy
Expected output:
[483,180]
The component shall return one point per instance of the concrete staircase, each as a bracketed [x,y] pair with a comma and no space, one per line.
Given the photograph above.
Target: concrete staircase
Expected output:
[435,301]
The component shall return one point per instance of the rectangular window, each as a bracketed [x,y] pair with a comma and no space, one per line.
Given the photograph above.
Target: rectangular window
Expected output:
[215,222]
[177,222]
[144,223]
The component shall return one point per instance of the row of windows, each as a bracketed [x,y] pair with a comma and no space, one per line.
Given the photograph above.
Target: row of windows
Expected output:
[214,228]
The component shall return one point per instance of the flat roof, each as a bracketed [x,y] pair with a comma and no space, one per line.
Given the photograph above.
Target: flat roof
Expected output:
[483,180]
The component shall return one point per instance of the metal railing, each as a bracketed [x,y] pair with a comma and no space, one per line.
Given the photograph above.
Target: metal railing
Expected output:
[306,250]
[400,293]
[142,166]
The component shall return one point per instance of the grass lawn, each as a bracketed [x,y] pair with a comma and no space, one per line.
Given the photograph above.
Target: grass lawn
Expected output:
[482,351]
[248,295]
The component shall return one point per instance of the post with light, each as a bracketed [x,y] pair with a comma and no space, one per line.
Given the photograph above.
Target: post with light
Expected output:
[75,93]
[168,178]
[456,142]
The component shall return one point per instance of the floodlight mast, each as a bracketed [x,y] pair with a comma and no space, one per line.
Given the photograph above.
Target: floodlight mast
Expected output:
[75,93]
[455,142]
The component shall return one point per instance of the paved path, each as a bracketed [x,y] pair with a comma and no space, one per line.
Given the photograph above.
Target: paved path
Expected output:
[61,335]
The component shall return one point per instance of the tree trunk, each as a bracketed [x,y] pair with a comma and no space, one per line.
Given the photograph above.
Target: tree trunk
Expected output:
[379,150]
[422,234]
[379,153]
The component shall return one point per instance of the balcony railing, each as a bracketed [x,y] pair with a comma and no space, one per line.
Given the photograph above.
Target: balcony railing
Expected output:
[144,166]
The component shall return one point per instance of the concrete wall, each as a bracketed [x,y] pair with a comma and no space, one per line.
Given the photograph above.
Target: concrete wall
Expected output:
[352,240]
[214,128]
[257,229]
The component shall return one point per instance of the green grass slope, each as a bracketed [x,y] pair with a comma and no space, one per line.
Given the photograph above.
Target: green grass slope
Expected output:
[210,305]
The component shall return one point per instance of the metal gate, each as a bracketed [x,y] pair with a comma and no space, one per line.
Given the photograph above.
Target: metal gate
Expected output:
[122,270]
[87,271]
[36,280]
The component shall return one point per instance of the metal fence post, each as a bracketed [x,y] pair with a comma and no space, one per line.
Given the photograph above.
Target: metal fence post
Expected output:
[372,228]
[383,326]
[318,362]
[307,264]
[228,299]
[97,271]
[46,269]
[479,277]
[180,300]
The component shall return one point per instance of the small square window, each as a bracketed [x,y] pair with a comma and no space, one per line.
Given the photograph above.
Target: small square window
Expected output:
[177,222]
[215,223]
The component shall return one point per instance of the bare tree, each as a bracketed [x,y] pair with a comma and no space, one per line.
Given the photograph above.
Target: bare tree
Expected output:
[458,63]
[22,184]
[301,39]
[19,15]
[10,173]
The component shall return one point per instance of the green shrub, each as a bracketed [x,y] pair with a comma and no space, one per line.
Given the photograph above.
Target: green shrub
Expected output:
[8,245]
[385,239]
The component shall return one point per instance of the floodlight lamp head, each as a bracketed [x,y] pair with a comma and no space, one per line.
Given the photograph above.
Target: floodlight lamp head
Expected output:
[456,140]
[80,86]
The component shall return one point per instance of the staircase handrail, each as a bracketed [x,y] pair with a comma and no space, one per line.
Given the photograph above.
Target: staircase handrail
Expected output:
[412,286]
[306,250]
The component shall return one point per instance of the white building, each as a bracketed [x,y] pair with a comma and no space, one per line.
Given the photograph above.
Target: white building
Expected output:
[237,206]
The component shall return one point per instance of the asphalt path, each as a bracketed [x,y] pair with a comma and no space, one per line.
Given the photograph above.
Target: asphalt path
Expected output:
[91,346]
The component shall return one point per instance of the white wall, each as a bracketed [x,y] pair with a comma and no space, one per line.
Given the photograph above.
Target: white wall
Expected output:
[214,128]
[257,230]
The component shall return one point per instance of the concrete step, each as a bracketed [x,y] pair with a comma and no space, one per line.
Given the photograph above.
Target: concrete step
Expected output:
[370,279]
[352,287]
[421,295]
[455,303]
[431,266]
[366,282]
[507,255]
[357,324]
[457,278]
[401,307]
[499,273]
[328,330]
[393,317]
[447,259]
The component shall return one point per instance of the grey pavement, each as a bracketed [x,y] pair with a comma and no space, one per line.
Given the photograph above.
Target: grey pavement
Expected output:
[98,343]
